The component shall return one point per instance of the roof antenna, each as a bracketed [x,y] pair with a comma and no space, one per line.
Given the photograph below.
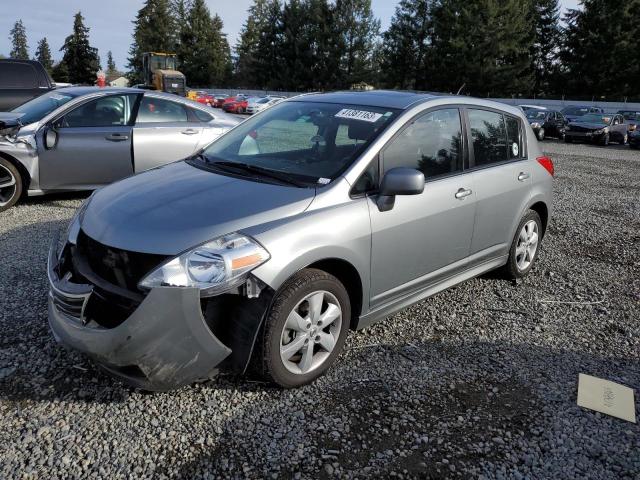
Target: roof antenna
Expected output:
[460,89]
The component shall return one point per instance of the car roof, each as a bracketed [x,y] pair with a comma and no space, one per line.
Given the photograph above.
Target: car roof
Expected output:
[400,99]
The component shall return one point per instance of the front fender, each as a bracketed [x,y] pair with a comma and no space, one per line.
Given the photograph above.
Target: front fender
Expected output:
[340,232]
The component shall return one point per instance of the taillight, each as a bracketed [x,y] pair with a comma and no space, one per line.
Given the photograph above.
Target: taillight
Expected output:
[547,163]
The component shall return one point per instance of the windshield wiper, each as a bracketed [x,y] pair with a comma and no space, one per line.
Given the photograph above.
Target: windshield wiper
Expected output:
[261,171]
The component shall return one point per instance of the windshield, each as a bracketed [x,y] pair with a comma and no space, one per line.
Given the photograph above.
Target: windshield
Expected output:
[536,115]
[310,142]
[264,100]
[594,118]
[34,110]
[575,110]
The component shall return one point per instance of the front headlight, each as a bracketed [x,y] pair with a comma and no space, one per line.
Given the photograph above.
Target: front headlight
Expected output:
[213,267]
[535,125]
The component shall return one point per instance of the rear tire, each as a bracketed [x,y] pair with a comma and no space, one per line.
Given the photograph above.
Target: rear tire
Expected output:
[298,343]
[10,185]
[524,247]
[541,134]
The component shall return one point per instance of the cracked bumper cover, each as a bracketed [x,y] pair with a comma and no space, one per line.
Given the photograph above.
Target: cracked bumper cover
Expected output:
[165,343]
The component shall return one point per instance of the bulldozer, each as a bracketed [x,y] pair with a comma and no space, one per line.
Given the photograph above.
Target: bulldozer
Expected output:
[160,73]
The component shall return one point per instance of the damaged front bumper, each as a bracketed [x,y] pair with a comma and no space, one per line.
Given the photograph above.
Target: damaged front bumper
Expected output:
[163,344]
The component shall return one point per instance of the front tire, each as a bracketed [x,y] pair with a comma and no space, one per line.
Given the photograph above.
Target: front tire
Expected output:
[10,185]
[305,329]
[525,246]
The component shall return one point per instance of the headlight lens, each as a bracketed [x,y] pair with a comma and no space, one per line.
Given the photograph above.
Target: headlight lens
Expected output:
[212,267]
[535,125]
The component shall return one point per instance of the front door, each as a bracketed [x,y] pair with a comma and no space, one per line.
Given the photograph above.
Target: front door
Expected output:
[165,131]
[93,147]
[426,233]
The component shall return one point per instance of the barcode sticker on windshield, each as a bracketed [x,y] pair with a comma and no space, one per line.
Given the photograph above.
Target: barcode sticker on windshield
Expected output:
[359,115]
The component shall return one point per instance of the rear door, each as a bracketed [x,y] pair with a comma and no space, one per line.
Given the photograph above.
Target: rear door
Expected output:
[94,145]
[501,177]
[165,131]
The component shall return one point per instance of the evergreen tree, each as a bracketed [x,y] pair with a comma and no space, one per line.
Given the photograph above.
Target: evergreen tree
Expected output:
[544,51]
[406,44]
[111,65]
[249,63]
[295,55]
[359,31]
[325,45]
[80,58]
[18,37]
[43,55]
[205,55]
[154,29]
[60,73]
[600,55]
[484,45]
[267,56]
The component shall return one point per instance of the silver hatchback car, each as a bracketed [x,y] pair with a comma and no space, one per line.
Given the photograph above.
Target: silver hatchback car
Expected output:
[81,138]
[324,213]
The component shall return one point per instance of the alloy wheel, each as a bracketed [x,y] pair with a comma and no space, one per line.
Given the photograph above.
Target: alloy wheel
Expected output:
[527,245]
[310,332]
[7,186]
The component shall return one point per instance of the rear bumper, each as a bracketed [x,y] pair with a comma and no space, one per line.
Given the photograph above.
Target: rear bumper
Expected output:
[163,344]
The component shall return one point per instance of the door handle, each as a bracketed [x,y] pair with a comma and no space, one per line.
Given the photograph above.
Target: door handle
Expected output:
[523,176]
[189,131]
[463,192]
[116,137]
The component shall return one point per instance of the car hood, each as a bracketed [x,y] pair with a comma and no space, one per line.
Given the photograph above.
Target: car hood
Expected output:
[10,120]
[589,126]
[170,209]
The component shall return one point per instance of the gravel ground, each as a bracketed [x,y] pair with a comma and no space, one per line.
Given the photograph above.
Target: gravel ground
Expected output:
[479,381]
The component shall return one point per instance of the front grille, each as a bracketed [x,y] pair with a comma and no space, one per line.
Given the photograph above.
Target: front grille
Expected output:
[581,129]
[72,306]
[118,267]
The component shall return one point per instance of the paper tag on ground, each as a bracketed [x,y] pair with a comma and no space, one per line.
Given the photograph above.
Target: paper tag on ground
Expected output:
[359,115]
[606,397]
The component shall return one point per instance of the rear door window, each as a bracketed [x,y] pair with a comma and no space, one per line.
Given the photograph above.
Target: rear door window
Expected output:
[495,137]
[159,110]
[202,116]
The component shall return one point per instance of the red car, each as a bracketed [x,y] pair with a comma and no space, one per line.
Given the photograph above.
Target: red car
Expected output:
[238,106]
[221,102]
[205,98]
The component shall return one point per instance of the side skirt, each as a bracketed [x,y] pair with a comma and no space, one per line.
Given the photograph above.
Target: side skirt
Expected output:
[414,297]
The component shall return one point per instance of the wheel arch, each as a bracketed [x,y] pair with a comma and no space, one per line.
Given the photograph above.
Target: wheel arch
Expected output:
[24,173]
[543,211]
[350,278]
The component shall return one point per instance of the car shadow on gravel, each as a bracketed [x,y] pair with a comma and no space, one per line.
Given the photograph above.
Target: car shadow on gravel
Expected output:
[431,410]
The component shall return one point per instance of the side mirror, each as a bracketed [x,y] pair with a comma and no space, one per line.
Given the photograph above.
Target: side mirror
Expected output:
[50,138]
[399,181]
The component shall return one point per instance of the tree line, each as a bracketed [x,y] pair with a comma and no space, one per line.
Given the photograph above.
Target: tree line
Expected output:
[80,61]
[490,48]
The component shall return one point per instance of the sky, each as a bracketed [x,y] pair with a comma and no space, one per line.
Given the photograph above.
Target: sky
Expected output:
[110,22]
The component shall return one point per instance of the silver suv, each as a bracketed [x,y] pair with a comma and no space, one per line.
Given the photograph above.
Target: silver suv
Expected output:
[324,213]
